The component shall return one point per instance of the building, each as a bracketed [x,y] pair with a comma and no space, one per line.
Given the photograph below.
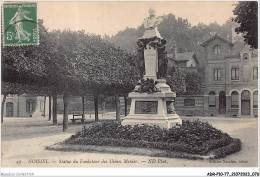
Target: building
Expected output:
[182,60]
[25,105]
[229,81]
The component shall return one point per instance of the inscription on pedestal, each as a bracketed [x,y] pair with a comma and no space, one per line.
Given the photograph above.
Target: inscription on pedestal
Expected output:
[146,107]
[150,57]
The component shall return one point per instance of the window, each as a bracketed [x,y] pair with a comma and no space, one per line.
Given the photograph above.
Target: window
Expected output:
[189,102]
[222,99]
[245,95]
[234,99]
[212,99]
[255,99]
[255,73]
[217,49]
[245,56]
[216,74]
[30,105]
[235,74]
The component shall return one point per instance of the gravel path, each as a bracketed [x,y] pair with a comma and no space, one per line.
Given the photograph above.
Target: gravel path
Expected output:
[24,141]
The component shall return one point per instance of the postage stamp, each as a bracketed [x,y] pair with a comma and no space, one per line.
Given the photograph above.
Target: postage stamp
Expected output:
[20,24]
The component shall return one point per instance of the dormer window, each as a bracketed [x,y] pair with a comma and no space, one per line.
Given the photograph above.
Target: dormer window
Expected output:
[216,49]
[245,56]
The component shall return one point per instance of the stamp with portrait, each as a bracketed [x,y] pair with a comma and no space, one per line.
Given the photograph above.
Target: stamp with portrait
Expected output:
[20,23]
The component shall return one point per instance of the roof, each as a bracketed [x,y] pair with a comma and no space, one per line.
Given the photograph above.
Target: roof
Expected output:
[185,56]
[216,36]
[239,47]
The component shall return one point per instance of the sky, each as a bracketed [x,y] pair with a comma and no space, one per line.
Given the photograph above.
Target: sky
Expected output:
[110,17]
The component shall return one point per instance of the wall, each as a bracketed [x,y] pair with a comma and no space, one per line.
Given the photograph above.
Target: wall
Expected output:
[37,111]
[225,48]
[13,99]
[192,62]
[196,110]
[19,105]
[75,106]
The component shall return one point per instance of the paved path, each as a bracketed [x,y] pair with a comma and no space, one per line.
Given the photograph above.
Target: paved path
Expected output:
[24,139]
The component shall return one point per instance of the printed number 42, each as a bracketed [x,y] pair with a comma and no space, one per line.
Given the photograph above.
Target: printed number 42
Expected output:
[9,36]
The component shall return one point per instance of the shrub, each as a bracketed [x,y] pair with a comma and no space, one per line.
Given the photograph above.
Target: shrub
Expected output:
[231,148]
[192,137]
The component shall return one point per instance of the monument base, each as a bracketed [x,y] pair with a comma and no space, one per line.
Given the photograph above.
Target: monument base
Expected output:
[164,122]
[153,109]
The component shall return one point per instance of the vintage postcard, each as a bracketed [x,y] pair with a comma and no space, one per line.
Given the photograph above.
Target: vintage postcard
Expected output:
[129,84]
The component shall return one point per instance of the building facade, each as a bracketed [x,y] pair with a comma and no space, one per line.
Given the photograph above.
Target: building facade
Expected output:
[25,105]
[229,81]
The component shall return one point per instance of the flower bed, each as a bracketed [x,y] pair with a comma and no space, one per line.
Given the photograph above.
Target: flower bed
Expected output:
[191,137]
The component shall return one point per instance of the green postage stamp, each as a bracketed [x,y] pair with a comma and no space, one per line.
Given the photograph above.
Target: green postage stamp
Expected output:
[20,23]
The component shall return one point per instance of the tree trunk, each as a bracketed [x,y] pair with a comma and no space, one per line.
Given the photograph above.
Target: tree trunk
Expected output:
[117,107]
[49,108]
[125,97]
[96,106]
[104,108]
[44,105]
[83,108]
[54,109]
[65,112]
[18,105]
[3,106]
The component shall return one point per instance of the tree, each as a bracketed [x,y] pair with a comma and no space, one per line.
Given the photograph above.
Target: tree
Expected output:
[70,63]
[87,64]
[193,83]
[184,81]
[24,68]
[176,80]
[247,16]
[174,30]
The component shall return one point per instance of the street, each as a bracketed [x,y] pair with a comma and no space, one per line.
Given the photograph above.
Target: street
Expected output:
[24,141]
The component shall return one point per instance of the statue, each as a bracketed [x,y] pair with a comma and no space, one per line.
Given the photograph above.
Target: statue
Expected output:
[152,99]
[152,39]
[150,25]
[140,54]
[17,20]
[162,59]
[146,86]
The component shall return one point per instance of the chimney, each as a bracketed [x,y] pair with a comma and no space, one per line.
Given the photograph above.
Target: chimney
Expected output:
[233,33]
[174,50]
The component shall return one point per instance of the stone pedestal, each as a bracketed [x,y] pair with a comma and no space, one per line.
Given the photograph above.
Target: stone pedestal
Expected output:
[151,62]
[153,109]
